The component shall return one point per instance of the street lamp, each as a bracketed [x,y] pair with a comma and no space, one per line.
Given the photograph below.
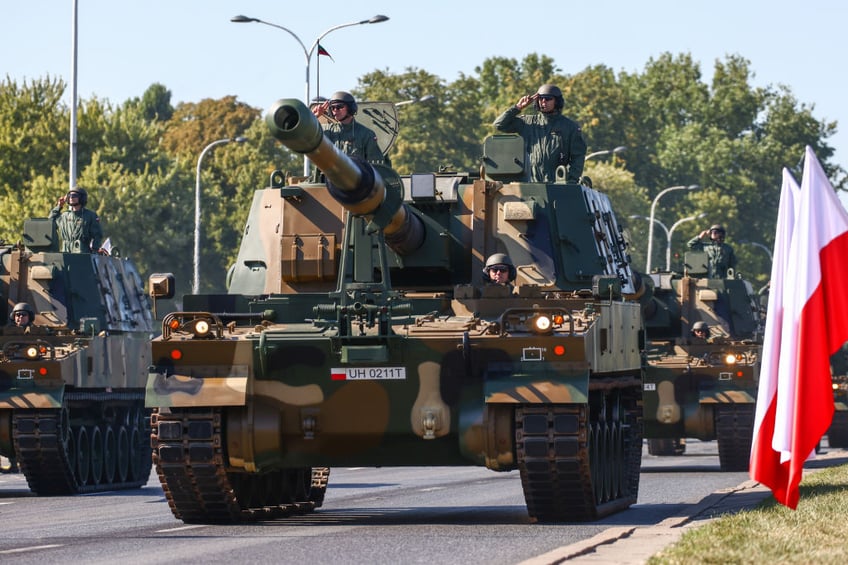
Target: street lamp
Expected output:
[654,221]
[423,99]
[196,283]
[72,165]
[671,232]
[651,222]
[307,53]
[760,245]
[616,151]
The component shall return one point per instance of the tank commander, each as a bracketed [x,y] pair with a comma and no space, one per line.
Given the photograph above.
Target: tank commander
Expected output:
[499,270]
[22,315]
[550,139]
[349,136]
[79,228]
[720,256]
[700,330]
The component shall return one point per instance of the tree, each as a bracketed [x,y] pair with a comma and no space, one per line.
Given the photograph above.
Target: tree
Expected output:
[138,159]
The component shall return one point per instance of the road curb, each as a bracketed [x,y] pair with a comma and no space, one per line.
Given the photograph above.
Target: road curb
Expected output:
[632,545]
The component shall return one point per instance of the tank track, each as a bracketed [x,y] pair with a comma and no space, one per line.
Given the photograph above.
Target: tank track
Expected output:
[734,424]
[96,442]
[188,452]
[575,468]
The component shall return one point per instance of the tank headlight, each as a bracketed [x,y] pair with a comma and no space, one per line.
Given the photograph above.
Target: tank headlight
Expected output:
[731,359]
[201,328]
[32,352]
[541,324]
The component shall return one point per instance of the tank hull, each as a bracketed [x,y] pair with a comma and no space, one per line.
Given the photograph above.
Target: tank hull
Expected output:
[440,391]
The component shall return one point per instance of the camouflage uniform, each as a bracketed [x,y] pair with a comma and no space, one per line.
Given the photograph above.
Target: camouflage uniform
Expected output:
[550,140]
[80,231]
[356,140]
[720,256]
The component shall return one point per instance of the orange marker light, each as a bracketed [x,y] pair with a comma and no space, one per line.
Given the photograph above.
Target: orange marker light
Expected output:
[174,324]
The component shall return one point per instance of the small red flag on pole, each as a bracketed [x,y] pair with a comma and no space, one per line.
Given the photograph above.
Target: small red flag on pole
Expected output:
[322,51]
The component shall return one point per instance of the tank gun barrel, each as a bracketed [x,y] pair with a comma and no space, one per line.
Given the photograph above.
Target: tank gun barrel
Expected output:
[355,184]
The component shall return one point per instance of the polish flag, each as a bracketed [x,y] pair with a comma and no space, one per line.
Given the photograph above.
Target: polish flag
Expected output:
[807,322]
[761,448]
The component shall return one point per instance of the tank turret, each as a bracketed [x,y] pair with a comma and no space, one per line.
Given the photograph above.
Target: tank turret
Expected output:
[356,185]
[361,328]
[72,413]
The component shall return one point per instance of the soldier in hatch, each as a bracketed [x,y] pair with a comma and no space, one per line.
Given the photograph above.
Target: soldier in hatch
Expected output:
[351,137]
[550,139]
[720,256]
[22,315]
[701,331]
[499,270]
[79,228]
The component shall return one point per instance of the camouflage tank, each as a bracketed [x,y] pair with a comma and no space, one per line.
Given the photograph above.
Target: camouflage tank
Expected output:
[72,410]
[702,388]
[358,331]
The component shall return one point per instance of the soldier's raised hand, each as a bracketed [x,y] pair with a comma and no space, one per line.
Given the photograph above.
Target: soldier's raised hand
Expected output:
[525,101]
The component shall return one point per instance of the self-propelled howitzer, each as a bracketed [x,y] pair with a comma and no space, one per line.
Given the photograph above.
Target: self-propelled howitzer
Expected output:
[72,413]
[695,387]
[359,331]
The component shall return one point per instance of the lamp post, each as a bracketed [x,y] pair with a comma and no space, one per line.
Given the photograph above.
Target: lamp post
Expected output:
[72,164]
[196,281]
[670,232]
[654,221]
[760,245]
[616,151]
[423,99]
[307,53]
[651,222]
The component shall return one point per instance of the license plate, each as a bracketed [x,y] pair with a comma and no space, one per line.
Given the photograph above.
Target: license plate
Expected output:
[368,374]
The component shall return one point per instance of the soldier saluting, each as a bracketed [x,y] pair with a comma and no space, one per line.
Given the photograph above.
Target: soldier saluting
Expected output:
[79,228]
[720,255]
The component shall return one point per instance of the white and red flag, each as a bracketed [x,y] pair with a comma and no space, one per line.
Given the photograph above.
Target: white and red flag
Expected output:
[807,322]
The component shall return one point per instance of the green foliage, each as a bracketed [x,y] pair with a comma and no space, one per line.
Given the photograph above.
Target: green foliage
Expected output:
[138,159]
[34,135]
[443,132]
[155,103]
[813,533]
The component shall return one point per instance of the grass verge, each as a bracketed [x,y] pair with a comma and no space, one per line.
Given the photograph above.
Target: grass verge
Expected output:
[815,532]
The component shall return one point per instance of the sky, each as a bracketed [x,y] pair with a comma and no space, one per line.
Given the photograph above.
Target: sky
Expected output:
[194,50]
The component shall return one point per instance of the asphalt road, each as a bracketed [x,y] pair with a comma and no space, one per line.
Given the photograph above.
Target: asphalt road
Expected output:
[463,515]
